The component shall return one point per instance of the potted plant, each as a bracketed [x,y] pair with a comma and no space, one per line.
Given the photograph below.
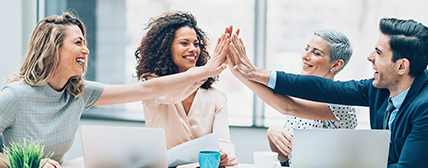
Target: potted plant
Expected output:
[27,154]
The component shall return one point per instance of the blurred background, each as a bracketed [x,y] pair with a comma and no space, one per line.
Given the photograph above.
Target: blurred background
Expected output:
[275,33]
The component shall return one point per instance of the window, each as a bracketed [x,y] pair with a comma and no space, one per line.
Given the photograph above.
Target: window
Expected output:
[275,33]
[290,26]
[115,28]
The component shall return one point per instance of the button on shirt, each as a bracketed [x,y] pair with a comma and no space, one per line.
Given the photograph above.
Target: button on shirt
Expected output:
[397,101]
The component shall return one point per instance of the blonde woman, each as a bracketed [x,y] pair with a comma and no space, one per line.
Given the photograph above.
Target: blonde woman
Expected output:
[45,101]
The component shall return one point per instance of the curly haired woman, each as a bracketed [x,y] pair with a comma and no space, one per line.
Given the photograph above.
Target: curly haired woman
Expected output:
[45,100]
[173,44]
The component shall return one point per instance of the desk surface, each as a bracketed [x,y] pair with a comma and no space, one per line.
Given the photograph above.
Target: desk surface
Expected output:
[75,163]
[240,165]
[79,163]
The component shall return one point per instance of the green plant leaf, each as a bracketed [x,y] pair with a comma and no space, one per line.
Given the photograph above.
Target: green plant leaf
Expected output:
[26,154]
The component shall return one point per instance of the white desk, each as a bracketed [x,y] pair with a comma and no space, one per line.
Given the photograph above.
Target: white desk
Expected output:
[240,165]
[75,163]
[78,163]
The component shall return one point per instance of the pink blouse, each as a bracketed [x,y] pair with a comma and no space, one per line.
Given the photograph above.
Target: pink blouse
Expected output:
[207,114]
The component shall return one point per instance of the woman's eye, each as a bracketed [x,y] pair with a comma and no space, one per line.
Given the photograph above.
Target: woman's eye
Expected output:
[306,48]
[183,43]
[316,53]
[78,42]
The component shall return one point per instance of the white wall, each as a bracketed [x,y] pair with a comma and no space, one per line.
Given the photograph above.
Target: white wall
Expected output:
[18,19]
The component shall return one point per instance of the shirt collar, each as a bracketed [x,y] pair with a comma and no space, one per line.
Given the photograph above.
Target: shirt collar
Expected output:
[398,100]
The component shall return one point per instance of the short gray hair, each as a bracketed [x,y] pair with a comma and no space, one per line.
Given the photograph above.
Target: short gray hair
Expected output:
[340,47]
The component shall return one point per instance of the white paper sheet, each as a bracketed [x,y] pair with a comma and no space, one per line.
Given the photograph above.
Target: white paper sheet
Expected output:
[188,152]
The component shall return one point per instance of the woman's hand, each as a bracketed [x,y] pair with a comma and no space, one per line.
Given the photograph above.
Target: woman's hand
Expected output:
[224,159]
[49,163]
[216,64]
[240,64]
[281,139]
[238,58]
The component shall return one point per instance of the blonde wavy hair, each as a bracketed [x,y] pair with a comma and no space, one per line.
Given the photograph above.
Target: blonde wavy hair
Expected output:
[42,56]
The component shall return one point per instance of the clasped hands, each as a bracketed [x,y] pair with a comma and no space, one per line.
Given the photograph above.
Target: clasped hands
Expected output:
[230,50]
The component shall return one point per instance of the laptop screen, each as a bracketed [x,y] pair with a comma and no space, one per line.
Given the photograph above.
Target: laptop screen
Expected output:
[340,148]
[109,146]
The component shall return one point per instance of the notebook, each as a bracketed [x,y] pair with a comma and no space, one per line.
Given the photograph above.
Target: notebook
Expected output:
[115,147]
[187,152]
[333,148]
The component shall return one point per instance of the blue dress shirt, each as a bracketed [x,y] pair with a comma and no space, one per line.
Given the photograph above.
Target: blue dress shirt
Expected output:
[272,80]
[397,101]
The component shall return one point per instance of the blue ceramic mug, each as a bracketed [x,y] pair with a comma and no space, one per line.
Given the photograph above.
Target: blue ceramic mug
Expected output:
[209,159]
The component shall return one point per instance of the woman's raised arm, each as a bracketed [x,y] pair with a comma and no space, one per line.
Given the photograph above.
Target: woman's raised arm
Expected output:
[116,94]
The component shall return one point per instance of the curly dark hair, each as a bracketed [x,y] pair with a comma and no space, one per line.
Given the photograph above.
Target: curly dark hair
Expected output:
[154,56]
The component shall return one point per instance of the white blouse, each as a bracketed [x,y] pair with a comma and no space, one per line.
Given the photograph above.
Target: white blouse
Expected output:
[347,119]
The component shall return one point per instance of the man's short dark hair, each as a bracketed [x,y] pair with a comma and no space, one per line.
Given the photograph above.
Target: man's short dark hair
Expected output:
[409,39]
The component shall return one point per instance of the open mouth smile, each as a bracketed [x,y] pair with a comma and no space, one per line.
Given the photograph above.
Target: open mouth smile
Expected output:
[80,61]
[191,58]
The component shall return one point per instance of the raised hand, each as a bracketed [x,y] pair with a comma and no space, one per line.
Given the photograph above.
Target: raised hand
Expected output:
[229,30]
[241,66]
[216,64]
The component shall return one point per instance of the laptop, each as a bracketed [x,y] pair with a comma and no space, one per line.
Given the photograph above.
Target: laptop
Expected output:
[334,148]
[128,147]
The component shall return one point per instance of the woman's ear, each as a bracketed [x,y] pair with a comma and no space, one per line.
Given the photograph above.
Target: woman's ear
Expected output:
[337,65]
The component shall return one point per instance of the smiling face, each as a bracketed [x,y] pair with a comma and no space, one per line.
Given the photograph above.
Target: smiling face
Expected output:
[316,58]
[381,58]
[72,54]
[185,48]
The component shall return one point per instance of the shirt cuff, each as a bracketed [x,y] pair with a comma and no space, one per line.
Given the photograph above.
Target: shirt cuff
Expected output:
[272,80]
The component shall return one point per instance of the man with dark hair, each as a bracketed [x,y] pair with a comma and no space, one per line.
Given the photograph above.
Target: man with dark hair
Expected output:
[400,83]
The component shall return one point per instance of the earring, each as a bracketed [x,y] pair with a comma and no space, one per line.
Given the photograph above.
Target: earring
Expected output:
[331,71]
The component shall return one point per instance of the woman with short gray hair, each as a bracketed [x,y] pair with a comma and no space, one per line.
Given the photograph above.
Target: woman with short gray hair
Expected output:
[325,55]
